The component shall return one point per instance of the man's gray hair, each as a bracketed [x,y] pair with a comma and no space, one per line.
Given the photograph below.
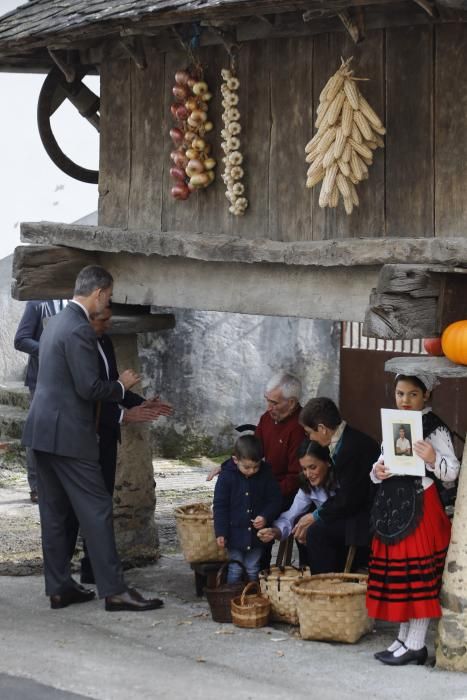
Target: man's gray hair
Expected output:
[90,278]
[288,383]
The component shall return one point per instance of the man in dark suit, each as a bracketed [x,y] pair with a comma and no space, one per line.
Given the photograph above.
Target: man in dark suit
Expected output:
[111,415]
[26,340]
[343,519]
[61,429]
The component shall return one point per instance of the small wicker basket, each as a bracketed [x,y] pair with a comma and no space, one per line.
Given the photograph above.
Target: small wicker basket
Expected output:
[331,607]
[250,609]
[195,530]
[276,585]
[220,597]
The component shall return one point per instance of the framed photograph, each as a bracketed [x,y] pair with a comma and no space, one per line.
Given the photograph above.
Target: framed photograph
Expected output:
[400,430]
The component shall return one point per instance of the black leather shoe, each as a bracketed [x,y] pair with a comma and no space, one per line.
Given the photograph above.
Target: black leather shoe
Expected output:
[131,600]
[418,656]
[382,655]
[33,496]
[71,596]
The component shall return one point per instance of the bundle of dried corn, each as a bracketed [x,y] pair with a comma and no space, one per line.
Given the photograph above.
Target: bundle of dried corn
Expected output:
[342,149]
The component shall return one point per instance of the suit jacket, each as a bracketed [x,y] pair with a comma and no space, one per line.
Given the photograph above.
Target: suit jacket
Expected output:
[352,465]
[28,334]
[61,419]
[110,411]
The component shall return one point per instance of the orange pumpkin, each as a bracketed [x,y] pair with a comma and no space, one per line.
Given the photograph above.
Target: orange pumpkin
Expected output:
[454,342]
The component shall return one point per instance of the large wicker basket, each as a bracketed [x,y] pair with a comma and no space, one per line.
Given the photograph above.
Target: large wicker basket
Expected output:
[195,530]
[250,609]
[331,607]
[220,597]
[276,585]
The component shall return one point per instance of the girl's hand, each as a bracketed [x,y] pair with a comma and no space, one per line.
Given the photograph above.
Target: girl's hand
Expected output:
[382,471]
[266,535]
[425,450]
[220,541]
[259,522]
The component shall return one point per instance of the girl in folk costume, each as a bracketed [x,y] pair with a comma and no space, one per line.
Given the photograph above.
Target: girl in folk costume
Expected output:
[412,531]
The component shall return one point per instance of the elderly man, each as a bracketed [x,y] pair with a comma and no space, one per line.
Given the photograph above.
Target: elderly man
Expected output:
[61,429]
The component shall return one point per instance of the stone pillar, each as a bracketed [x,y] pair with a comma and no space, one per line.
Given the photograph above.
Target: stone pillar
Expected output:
[451,647]
[134,495]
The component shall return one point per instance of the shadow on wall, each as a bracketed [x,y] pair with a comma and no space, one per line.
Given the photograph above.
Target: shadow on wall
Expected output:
[12,362]
[214,367]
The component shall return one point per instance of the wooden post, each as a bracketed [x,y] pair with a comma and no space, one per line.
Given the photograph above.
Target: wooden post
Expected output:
[451,647]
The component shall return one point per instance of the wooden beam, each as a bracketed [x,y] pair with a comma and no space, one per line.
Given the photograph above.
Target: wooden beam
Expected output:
[147,323]
[47,272]
[216,247]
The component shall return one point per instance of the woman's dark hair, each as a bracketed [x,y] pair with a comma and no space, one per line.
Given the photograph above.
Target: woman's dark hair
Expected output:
[248,447]
[320,410]
[312,448]
[410,378]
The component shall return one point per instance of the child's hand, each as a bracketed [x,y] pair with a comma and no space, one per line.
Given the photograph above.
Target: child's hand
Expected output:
[266,534]
[220,541]
[214,472]
[424,449]
[382,471]
[259,522]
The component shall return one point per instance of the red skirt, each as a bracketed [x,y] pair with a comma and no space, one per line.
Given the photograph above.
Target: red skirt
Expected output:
[404,579]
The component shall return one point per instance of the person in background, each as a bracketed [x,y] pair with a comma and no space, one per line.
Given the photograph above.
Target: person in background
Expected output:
[111,415]
[343,519]
[26,340]
[246,499]
[412,535]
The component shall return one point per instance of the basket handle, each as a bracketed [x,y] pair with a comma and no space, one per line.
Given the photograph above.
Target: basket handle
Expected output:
[223,569]
[248,587]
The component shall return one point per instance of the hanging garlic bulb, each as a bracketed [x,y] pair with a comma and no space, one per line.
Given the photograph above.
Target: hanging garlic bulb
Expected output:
[233,158]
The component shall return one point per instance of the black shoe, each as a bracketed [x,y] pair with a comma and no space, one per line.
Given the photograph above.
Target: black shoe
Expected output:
[71,596]
[131,600]
[418,656]
[33,496]
[386,654]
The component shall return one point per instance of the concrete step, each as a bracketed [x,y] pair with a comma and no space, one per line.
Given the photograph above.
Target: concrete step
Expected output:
[14,394]
[12,420]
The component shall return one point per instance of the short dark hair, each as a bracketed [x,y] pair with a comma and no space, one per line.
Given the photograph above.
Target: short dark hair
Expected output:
[320,410]
[313,448]
[248,447]
[90,278]
[410,378]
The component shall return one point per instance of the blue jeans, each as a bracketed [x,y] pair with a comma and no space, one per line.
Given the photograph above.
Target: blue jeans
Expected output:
[251,561]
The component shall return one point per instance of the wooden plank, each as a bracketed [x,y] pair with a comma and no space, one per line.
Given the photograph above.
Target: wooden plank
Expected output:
[147,323]
[348,253]
[290,210]
[115,143]
[148,163]
[409,140]
[450,130]
[47,272]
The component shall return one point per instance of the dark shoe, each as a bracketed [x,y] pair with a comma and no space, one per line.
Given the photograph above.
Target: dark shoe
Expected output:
[87,577]
[418,656]
[33,496]
[131,600]
[73,595]
[386,654]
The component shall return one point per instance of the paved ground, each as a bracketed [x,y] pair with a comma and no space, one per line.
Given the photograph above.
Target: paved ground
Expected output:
[179,652]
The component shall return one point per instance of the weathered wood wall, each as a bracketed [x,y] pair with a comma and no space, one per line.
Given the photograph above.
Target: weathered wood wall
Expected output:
[417,185]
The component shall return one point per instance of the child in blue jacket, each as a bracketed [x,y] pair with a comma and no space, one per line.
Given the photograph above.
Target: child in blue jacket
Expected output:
[246,499]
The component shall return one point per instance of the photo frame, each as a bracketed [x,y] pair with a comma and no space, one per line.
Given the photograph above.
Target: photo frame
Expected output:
[400,430]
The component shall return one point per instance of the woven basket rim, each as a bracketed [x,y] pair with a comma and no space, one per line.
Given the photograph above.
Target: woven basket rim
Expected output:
[299,586]
[206,513]
[283,573]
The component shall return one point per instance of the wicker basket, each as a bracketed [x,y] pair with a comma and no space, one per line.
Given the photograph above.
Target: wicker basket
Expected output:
[250,609]
[331,607]
[276,585]
[195,530]
[220,597]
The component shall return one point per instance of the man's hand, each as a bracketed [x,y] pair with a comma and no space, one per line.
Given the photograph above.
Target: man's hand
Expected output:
[302,526]
[220,541]
[162,409]
[259,522]
[129,378]
[214,472]
[141,414]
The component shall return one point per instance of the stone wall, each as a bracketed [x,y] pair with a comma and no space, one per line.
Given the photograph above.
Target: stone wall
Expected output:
[12,362]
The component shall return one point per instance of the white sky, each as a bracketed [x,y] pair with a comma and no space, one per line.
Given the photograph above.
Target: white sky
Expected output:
[32,188]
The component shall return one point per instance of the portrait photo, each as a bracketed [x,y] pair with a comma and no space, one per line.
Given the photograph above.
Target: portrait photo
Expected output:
[400,430]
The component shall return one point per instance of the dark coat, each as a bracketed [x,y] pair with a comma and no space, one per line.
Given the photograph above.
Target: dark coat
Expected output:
[353,462]
[28,334]
[238,500]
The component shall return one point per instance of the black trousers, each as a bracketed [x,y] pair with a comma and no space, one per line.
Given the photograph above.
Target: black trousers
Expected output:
[69,487]
[326,547]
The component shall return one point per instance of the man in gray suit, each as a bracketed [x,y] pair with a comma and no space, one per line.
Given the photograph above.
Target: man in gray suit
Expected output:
[61,429]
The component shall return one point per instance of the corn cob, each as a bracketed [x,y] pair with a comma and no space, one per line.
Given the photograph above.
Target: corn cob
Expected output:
[348,204]
[347,152]
[327,140]
[356,166]
[334,198]
[351,92]
[362,124]
[353,194]
[330,177]
[329,156]
[315,178]
[321,112]
[343,185]
[339,143]
[312,142]
[335,109]
[323,197]
[368,112]
[332,87]
[343,167]
[356,134]
[347,118]
[361,149]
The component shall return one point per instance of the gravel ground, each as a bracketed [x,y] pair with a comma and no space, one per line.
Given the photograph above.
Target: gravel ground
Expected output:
[20,545]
